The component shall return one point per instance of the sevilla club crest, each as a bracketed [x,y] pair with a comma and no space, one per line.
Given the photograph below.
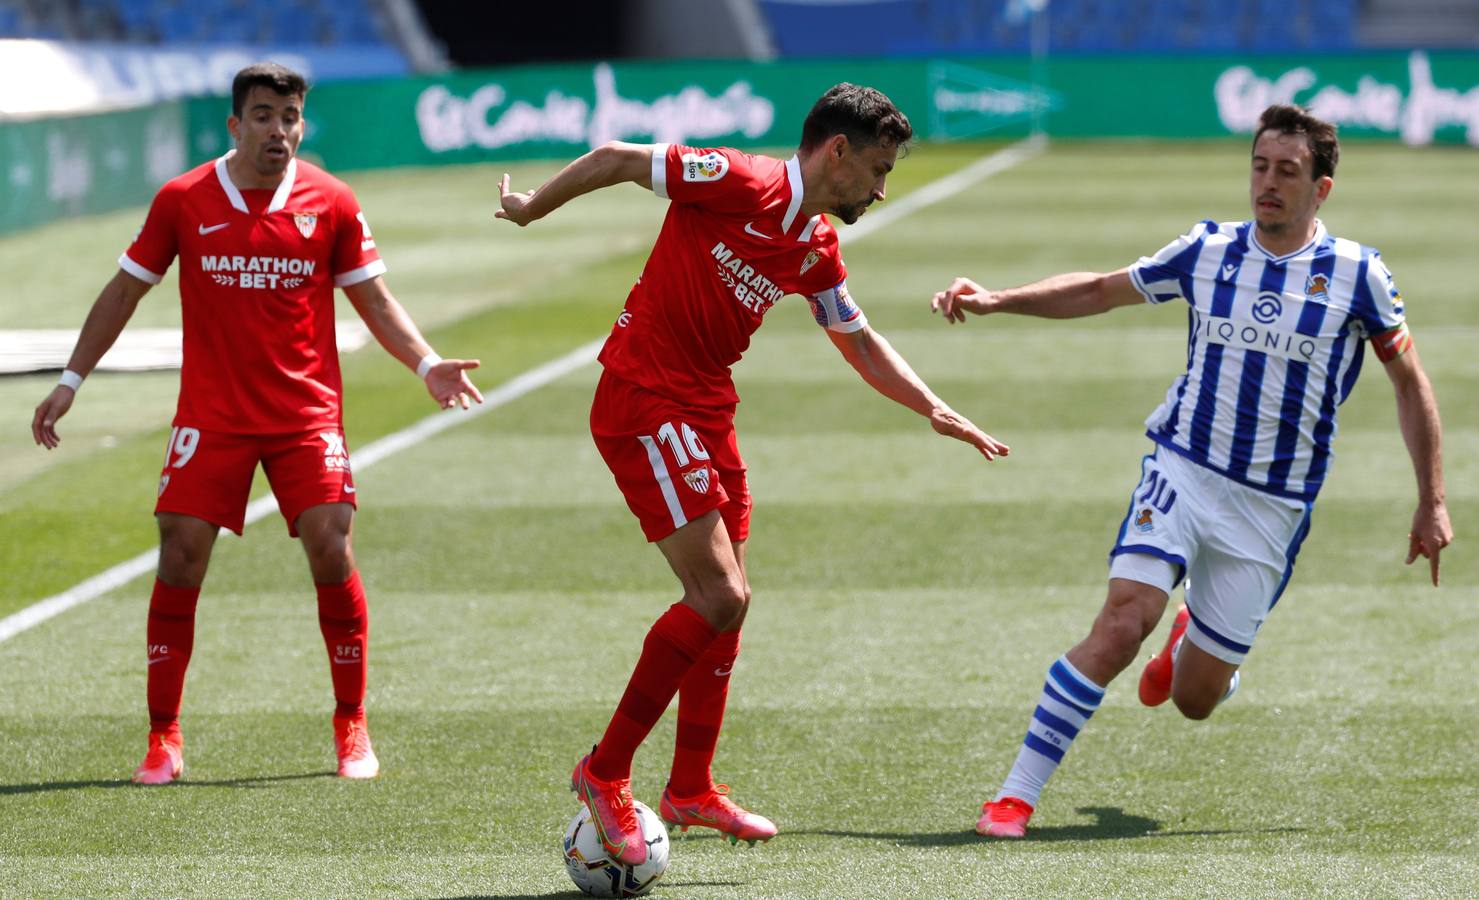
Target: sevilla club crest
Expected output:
[698,479]
[306,223]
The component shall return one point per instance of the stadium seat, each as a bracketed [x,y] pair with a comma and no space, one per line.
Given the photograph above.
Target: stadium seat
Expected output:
[964,27]
[286,22]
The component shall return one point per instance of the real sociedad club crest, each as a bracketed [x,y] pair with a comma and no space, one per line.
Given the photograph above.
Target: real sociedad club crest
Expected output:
[698,479]
[1317,289]
[306,223]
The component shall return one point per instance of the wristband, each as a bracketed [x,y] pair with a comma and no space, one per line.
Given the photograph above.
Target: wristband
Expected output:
[426,363]
[70,379]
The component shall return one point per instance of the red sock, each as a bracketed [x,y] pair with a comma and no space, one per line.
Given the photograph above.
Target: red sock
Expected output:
[171,636]
[701,700]
[675,641]
[345,622]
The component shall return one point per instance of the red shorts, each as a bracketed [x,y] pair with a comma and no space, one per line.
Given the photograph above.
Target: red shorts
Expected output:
[208,474]
[673,463]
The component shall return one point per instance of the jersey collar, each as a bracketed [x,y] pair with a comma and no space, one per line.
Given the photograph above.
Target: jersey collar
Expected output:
[279,197]
[793,176]
[1314,242]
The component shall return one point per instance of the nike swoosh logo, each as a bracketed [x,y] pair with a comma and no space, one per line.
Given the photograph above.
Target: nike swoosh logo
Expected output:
[348,488]
[157,660]
[205,230]
[722,672]
[750,229]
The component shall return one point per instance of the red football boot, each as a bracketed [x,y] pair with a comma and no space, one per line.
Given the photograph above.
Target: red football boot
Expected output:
[610,804]
[1155,680]
[1004,818]
[713,809]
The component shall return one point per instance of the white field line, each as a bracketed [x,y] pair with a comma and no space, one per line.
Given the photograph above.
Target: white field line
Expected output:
[520,385]
[124,572]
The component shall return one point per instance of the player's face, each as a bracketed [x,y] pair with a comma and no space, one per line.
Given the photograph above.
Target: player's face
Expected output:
[1282,186]
[269,130]
[859,177]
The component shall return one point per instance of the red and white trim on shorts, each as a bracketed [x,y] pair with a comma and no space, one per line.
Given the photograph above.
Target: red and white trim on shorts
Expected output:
[664,481]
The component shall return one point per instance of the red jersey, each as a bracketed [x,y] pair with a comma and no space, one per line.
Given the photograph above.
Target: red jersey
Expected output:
[732,245]
[258,270]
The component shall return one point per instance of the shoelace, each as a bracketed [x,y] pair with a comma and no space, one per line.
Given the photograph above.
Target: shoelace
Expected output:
[355,740]
[621,804]
[719,802]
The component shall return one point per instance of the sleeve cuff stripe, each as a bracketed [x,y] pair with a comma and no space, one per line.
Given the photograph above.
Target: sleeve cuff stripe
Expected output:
[363,273]
[1140,285]
[128,265]
[660,170]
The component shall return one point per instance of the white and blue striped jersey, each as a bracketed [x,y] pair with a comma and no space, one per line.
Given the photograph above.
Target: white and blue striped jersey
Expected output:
[1274,345]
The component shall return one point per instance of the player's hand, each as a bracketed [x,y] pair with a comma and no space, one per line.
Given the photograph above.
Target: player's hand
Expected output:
[961,297]
[515,204]
[43,423]
[1431,532]
[950,423]
[449,386]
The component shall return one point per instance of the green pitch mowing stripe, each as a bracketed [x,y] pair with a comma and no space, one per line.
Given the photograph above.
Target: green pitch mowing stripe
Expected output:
[126,571]
[908,599]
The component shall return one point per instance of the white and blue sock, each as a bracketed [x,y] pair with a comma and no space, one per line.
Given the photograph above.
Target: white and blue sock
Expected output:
[1068,700]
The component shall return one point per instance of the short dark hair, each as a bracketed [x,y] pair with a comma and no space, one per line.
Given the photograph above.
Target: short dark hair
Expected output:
[865,115]
[284,81]
[1318,134]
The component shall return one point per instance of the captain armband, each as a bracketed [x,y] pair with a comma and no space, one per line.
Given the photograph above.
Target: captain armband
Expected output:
[834,310]
[1392,343]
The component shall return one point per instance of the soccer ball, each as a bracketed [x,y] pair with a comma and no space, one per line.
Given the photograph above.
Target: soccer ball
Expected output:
[597,874]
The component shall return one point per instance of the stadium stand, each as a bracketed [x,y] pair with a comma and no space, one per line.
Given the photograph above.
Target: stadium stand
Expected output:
[324,23]
[912,28]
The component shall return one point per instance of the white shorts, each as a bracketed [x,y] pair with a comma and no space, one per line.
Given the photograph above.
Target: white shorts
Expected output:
[1234,544]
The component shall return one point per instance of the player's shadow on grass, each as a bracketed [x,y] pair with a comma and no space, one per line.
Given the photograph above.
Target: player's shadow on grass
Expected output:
[260,781]
[1110,823]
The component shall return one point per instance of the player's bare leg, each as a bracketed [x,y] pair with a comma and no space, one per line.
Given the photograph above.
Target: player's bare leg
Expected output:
[713,578]
[1074,687]
[185,544]
[344,621]
[691,796]
[1130,614]
[1201,681]
[1207,681]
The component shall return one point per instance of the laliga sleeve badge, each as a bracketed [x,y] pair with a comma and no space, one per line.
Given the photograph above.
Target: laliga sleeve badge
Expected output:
[709,166]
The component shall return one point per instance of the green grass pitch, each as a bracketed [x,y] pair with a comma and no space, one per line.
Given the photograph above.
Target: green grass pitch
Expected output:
[908,597]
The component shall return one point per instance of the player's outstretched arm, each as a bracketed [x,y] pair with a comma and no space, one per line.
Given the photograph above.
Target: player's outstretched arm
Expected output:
[110,312]
[890,375]
[1422,431]
[611,163]
[1060,297]
[446,379]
